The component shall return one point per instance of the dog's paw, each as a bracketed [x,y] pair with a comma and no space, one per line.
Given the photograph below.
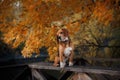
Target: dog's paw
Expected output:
[56,65]
[62,64]
[70,63]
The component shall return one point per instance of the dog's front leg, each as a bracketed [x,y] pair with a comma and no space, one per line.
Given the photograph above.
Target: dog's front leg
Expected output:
[61,54]
[71,58]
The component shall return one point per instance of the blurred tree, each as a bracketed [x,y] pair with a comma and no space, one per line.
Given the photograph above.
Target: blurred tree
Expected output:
[35,22]
[99,36]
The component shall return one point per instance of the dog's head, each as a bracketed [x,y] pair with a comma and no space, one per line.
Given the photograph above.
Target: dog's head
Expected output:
[62,32]
[62,35]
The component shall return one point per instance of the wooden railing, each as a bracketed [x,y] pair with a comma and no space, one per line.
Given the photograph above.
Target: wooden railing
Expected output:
[81,69]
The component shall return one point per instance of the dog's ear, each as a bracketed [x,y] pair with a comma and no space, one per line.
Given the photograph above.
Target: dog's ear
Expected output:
[57,38]
[59,32]
[66,33]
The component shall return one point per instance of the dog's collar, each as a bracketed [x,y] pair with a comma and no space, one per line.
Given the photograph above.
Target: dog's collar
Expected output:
[64,39]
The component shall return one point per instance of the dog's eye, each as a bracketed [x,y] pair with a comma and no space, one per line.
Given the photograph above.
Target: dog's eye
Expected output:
[61,32]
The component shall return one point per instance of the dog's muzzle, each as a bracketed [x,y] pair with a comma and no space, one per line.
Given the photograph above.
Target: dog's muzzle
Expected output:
[62,39]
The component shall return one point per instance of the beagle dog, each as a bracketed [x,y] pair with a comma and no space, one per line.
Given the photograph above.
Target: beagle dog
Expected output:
[65,49]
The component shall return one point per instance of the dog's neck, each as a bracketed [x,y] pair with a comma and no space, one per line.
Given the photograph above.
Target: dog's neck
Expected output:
[64,41]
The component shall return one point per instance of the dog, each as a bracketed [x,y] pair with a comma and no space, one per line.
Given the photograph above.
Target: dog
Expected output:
[65,50]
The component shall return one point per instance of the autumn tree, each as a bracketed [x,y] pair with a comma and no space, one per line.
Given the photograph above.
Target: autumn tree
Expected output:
[98,37]
[34,23]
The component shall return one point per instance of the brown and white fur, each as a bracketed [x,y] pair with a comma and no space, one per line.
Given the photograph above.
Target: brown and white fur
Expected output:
[65,49]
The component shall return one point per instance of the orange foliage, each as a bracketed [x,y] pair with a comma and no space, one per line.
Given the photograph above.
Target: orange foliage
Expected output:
[34,24]
[103,11]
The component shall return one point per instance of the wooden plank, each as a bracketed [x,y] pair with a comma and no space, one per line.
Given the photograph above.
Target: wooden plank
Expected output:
[81,69]
[65,75]
[37,75]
